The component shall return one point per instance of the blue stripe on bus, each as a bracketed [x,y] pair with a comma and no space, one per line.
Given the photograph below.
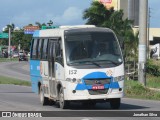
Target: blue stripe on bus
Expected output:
[114,85]
[96,75]
[35,74]
[35,67]
[36,33]
[34,82]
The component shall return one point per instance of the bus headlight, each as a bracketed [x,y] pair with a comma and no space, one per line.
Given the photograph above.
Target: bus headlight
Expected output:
[119,78]
[74,80]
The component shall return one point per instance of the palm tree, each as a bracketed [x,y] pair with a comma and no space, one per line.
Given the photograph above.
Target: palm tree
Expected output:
[131,46]
[97,14]
[38,24]
[50,23]
[30,24]
[12,26]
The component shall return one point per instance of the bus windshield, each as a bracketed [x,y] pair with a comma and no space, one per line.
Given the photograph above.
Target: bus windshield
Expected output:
[92,48]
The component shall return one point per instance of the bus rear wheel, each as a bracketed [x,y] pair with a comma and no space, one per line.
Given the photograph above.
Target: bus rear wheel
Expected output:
[43,100]
[115,103]
[62,103]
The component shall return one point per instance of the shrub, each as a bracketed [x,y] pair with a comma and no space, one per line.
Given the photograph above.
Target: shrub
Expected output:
[152,69]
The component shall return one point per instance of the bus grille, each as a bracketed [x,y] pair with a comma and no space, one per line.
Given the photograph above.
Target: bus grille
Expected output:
[101,81]
[98,92]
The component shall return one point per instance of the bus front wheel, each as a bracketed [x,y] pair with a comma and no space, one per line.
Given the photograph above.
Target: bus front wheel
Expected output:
[43,100]
[62,103]
[115,103]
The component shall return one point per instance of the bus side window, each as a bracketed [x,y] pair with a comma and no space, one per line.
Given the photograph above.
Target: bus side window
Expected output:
[59,52]
[39,49]
[34,49]
[45,49]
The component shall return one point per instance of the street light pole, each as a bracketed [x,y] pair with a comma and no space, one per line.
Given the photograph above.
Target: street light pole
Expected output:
[9,44]
[148,41]
[142,41]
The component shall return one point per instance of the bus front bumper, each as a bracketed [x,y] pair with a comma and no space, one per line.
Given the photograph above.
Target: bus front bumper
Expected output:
[93,95]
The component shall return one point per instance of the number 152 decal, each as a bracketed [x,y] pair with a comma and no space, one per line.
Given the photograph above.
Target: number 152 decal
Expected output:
[71,72]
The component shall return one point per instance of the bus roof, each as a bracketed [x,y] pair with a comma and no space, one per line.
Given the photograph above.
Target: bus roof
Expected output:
[59,31]
[78,26]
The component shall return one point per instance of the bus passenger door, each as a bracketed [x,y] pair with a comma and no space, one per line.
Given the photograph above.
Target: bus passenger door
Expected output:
[51,67]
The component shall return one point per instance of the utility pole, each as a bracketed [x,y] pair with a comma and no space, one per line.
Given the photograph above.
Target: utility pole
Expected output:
[148,42]
[142,41]
[9,44]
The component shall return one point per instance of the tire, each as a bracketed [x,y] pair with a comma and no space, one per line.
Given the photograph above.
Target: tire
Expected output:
[51,102]
[43,100]
[115,103]
[63,104]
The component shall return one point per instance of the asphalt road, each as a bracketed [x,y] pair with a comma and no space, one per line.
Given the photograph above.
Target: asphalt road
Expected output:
[21,98]
[18,70]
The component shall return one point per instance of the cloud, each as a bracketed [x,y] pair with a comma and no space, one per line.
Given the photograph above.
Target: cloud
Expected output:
[30,17]
[72,15]
[24,12]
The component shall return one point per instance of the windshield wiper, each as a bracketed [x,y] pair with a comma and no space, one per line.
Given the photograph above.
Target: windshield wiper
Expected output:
[77,62]
[115,63]
[94,63]
[81,62]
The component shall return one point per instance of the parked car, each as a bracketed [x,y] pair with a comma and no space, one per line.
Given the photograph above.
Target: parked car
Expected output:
[23,58]
[21,53]
[15,55]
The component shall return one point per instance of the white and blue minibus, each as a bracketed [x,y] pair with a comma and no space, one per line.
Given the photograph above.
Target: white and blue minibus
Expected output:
[77,63]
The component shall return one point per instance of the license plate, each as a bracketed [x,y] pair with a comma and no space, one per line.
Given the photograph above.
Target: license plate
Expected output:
[98,87]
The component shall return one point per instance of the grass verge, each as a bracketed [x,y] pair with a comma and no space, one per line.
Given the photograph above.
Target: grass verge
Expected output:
[153,81]
[8,60]
[134,89]
[8,80]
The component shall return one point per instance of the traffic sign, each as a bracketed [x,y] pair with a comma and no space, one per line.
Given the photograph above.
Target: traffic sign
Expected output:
[30,29]
[28,32]
[49,27]
[4,35]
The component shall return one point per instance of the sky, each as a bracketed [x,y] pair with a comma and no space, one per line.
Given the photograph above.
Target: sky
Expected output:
[61,12]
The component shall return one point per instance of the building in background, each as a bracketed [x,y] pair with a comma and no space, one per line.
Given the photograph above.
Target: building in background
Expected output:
[133,11]
[129,7]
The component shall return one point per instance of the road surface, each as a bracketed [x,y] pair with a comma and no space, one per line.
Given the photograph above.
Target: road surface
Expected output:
[18,70]
[21,98]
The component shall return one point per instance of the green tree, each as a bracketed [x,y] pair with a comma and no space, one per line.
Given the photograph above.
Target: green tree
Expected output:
[25,43]
[12,26]
[98,15]
[17,37]
[50,23]
[30,24]
[131,46]
[4,41]
[40,25]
